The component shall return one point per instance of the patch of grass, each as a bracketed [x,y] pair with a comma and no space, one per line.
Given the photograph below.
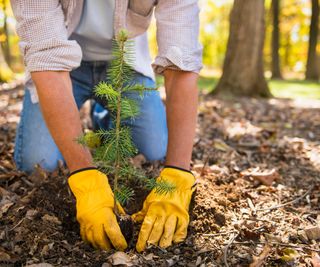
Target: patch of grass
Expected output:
[279,88]
[295,89]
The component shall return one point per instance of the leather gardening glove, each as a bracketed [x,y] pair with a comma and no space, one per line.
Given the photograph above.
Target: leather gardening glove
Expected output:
[95,202]
[165,216]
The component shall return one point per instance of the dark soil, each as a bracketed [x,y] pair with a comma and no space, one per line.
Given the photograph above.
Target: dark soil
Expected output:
[126,225]
[251,156]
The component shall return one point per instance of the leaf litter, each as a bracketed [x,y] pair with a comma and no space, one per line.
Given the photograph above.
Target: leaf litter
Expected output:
[257,203]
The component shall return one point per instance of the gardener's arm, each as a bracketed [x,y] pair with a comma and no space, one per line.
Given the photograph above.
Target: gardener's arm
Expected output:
[49,56]
[95,202]
[181,106]
[62,116]
[165,217]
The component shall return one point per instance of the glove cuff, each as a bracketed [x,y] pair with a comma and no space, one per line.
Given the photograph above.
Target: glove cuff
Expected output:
[177,168]
[81,170]
[182,179]
[87,180]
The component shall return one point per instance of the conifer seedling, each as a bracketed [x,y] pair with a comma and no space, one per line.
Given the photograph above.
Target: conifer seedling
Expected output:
[113,148]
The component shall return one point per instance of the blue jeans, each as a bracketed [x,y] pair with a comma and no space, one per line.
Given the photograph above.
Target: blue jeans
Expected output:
[34,144]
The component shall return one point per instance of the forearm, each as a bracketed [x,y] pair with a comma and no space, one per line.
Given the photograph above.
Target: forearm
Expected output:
[62,117]
[181,105]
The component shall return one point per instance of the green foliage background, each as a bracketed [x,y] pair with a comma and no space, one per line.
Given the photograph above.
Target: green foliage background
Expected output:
[214,30]
[294,34]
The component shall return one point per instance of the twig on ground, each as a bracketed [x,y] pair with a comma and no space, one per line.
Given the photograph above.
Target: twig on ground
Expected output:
[251,205]
[27,182]
[225,251]
[218,234]
[204,166]
[287,203]
[16,225]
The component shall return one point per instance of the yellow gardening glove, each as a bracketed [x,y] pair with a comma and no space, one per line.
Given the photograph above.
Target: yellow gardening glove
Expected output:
[95,202]
[165,216]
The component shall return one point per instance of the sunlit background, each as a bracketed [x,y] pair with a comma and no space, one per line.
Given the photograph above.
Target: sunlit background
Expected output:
[294,37]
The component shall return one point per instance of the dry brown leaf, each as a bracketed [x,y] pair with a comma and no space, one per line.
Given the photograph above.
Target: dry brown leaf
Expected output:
[258,261]
[266,177]
[50,218]
[221,145]
[120,258]
[315,260]
[139,160]
[39,175]
[313,233]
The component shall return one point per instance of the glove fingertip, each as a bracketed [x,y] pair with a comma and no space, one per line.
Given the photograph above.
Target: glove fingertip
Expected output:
[179,237]
[140,247]
[83,235]
[120,244]
[115,236]
[165,242]
[121,247]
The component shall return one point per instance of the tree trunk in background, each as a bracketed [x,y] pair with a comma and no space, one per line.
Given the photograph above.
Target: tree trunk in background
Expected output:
[243,72]
[275,67]
[6,73]
[312,72]
[6,46]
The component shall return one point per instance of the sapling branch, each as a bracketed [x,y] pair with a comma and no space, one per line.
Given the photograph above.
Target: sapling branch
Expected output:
[114,147]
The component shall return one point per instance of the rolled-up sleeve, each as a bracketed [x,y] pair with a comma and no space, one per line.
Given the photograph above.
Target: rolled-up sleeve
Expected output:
[43,36]
[177,36]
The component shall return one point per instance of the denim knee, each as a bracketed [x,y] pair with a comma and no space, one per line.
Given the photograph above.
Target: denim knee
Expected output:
[155,151]
[34,144]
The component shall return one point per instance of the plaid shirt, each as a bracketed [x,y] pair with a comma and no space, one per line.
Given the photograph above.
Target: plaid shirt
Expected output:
[45,26]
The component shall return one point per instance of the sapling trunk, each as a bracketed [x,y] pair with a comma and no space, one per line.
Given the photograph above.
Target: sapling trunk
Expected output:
[118,125]
[114,148]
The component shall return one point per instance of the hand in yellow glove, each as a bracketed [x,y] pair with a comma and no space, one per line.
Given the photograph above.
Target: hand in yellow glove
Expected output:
[95,202]
[165,216]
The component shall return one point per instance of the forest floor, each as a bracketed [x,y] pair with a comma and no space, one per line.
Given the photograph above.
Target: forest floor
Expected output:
[257,201]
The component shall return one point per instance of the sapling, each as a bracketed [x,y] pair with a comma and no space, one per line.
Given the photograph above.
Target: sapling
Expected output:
[113,148]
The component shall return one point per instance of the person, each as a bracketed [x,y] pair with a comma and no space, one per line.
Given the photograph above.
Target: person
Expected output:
[66,46]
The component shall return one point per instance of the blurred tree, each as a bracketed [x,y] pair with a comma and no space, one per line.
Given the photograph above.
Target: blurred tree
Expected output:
[214,31]
[6,45]
[243,72]
[275,44]
[312,72]
[6,73]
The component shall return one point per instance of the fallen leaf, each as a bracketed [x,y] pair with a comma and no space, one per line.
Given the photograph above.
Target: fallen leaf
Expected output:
[138,161]
[258,261]
[50,218]
[31,214]
[120,258]
[289,254]
[266,177]
[4,256]
[39,175]
[313,233]
[172,261]
[222,146]
[5,205]
[149,257]
[315,260]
